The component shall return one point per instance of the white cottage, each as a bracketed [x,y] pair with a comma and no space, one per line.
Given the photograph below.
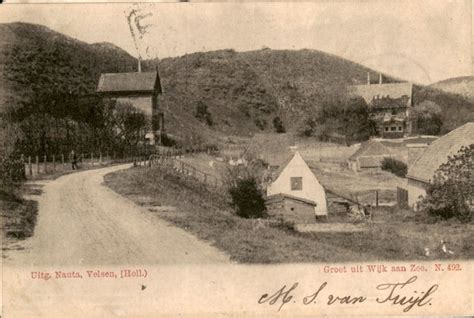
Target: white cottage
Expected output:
[297,188]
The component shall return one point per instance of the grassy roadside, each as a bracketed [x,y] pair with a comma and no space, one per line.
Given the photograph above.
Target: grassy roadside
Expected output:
[18,215]
[207,215]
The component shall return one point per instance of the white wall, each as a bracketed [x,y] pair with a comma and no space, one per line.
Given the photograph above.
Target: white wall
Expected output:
[312,189]
[414,193]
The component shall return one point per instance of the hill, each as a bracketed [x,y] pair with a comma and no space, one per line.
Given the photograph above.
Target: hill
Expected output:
[242,92]
[463,86]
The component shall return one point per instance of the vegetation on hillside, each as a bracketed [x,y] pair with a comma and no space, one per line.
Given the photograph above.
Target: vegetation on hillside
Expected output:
[54,108]
[427,118]
[49,103]
[341,117]
[455,110]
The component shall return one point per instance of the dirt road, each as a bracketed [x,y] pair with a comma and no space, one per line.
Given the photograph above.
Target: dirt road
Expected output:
[82,222]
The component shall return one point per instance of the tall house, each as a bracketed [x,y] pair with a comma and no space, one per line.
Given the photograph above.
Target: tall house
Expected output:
[140,90]
[390,105]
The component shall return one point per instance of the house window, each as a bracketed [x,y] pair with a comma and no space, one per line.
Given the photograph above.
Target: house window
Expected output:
[386,128]
[393,128]
[399,128]
[296,183]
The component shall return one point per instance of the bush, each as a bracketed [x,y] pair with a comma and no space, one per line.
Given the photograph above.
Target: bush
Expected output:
[278,125]
[260,123]
[395,166]
[202,114]
[246,198]
[451,194]
[12,170]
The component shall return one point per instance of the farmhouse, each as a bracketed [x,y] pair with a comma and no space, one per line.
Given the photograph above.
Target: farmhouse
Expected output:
[421,172]
[390,105]
[371,153]
[296,193]
[141,90]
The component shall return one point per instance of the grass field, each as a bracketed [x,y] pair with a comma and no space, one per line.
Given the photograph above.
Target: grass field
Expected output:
[394,235]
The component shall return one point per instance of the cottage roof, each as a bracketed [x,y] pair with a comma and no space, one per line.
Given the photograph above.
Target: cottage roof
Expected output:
[437,153]
[371,148]
[391,90]
[147,82]
[280,196]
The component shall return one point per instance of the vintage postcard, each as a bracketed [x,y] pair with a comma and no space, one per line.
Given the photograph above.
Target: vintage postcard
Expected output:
[237,159]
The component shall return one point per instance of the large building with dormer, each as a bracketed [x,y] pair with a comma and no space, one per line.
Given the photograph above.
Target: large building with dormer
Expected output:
[390,105]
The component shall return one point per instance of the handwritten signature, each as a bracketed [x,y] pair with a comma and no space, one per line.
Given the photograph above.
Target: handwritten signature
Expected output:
[393,294]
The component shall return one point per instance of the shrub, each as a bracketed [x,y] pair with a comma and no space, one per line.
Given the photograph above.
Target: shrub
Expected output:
[278,125]
[260,123]
[451,194]
[12,170]
[202,114]
[167,141]
[395,166]
[247,199]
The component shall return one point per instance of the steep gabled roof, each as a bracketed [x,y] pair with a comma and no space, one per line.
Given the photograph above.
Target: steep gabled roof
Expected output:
[148,82]
[371,148]
[437,153]
[392,90]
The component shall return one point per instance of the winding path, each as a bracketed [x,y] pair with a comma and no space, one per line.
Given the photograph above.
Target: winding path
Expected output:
[82,222]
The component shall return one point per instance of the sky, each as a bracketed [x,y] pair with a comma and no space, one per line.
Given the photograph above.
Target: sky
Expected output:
[420,41]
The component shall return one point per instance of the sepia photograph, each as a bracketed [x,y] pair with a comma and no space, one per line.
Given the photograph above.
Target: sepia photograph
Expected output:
[291,158]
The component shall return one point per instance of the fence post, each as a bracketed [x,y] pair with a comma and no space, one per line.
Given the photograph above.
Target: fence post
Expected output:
[100,157]
[30,170]
[37,165]
[44,163]
[54,163]
[62,161]
[92,158]
[377,198]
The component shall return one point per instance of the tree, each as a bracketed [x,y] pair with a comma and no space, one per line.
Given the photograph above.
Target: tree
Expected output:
[451,194]
[341,115]
[427,118]
[130,124]
[247,198]
[244,186]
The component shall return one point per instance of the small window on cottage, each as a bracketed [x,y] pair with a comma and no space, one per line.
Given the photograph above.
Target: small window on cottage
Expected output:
[296,183]
[393,128]
[399,128]
[386,128]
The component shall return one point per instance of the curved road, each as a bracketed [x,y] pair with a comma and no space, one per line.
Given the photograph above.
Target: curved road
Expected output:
[82,222]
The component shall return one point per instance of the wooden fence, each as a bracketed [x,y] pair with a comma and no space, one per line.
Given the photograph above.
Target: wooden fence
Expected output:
[174,163]
[51,164]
